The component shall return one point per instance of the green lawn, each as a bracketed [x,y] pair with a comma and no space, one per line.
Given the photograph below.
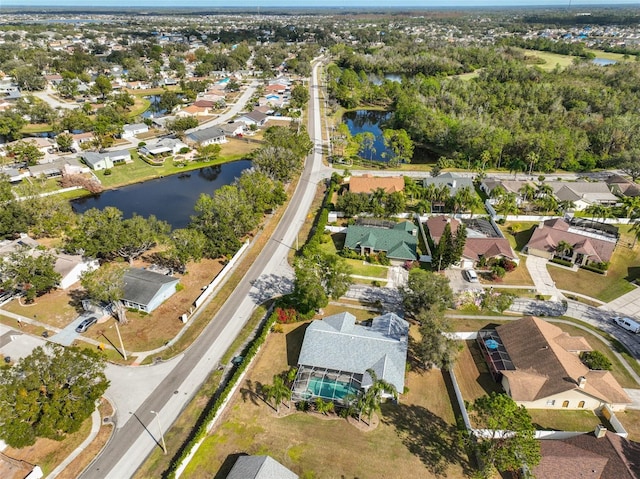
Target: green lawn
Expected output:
[554,420]
[524,230]
[605,288]
[362,268]
[551,59]
[139,170]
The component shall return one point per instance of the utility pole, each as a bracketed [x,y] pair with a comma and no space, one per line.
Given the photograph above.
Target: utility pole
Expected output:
[164,445]
[124,353]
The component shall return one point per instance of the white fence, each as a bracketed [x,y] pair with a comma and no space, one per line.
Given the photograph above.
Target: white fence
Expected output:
[216,281]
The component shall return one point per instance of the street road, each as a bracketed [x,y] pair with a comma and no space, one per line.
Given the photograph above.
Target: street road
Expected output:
[137,432]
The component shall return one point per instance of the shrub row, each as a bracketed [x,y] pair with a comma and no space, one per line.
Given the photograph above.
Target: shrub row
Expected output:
[563,262]
[594,269]
[211,410]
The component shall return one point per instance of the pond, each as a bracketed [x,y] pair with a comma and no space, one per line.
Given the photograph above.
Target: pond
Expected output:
[377,80]
[171,198]
[603,61]
[360,121]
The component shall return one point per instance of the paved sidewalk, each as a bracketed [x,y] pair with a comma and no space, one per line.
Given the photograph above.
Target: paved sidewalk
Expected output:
[95,427]
[542,279]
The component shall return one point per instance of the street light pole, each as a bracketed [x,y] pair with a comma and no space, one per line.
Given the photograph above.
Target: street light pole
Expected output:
[164,445]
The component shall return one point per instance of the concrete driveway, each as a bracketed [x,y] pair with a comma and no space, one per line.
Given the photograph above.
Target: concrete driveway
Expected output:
[68,334]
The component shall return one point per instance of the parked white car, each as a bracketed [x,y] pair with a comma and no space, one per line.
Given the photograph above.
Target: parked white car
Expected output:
[471,276]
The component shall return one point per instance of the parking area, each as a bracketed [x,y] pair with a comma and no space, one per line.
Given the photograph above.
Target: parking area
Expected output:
[458,282]
[16,345]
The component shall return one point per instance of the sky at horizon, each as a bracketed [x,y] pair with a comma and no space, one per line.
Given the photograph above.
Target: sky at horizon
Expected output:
[312,3]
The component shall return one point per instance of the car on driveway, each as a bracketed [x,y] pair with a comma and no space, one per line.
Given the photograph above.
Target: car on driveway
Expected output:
[471,276]
[86,324]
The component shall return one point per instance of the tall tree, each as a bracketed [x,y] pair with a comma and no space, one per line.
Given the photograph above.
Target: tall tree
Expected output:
[510,443]
[34,274]
[277,390]
[436,347]
[102,86]
[49,393]
[399,142]
[424,291]
[106,285]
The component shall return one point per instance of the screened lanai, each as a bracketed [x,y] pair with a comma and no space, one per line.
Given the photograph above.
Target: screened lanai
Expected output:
[494,352]
[329,384]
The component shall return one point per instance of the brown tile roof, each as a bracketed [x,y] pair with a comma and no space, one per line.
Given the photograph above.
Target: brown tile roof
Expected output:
[537,350]
[436,225]
[585,456]
[547,236]
[369,183]
[487,248]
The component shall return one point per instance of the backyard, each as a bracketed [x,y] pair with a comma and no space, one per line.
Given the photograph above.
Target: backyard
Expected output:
[359,267]
[417,435]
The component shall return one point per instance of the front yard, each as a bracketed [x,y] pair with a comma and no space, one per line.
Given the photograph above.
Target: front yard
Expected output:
[623,269]
[415,438]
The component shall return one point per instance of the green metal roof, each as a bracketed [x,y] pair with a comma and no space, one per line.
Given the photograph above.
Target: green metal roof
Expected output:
[398,242]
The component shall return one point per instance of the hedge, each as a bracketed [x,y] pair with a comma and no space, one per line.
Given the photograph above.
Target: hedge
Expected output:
[594,269]
[563,262]
[211,410]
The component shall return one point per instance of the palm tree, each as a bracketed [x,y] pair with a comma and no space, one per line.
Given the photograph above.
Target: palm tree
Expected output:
[498,192]
[372,398]
[631,206]
[423,206]
[323,407]
[532,160]
[278,391]
[565,205]
[544,189]
[507,205]
[564,248]
[527,191]
[635,229]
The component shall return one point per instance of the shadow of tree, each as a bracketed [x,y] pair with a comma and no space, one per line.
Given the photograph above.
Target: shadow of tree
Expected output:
[76,296]
[269,286]
[227,465]
[427,436]
[251,392]
[294,344]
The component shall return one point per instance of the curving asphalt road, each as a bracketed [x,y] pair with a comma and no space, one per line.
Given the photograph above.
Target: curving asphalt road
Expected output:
[137,432]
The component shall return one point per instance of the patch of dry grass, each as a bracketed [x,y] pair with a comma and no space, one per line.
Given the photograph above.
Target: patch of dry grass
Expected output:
[472,373]
[416,435]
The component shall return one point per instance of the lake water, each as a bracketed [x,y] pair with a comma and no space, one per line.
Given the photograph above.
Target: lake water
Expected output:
[603,61]
[376,80]
[171,198]
[360,121]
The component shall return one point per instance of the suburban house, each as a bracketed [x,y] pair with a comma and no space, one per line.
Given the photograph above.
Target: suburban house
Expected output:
[233,129]
[586,245]
[129,131]
[80,138]
[538,366]
[583,193]
[449,181]
[369,183]
[397,240]
[482,240]
[42,144]
[146,290]
[597,455]
[336,354]
[254,118]
[259,467]
[509,186]
[163,146]
[621,186]
[68,266]
[208,136]
[107,159]
[59,167]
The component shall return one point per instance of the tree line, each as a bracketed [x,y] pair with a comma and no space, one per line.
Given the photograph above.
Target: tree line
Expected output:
[577,118]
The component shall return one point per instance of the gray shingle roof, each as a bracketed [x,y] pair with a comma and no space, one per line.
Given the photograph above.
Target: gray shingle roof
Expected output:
[336,342]
[141,285]
[206,134]
[259,467]
[452,181]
